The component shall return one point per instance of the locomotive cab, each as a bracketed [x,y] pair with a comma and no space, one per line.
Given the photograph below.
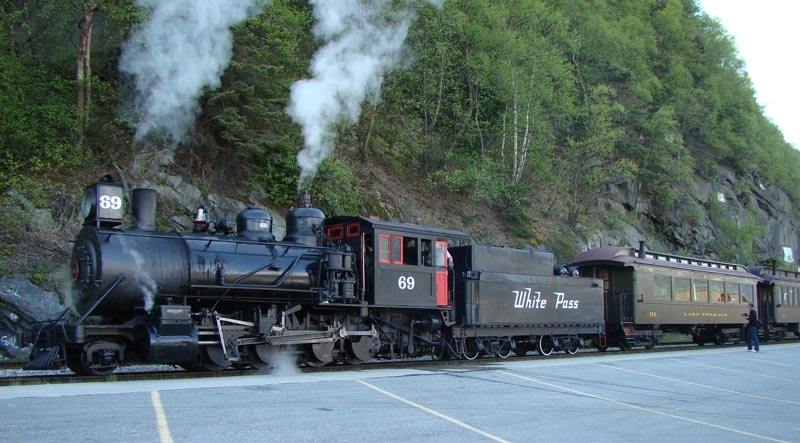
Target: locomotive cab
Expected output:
[399,264]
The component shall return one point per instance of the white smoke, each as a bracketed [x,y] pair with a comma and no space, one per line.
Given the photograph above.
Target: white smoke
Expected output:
[139,277]
[362,42]
[283,363]
[183,47]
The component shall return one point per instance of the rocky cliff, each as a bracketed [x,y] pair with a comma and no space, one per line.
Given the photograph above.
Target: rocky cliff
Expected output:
[758,218]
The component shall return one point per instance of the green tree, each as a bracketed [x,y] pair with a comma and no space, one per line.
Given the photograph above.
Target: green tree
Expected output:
[254,143]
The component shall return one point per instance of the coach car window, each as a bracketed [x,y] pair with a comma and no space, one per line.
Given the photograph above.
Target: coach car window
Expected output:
[663,287]
[717,291]
[747,293]
[700,290]
[732,290]
[681,289]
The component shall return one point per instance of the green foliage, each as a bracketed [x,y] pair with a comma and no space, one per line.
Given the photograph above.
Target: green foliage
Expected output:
[255,141]
[529,108]
[333,188]
[474,179]
[736,237]
[37,126]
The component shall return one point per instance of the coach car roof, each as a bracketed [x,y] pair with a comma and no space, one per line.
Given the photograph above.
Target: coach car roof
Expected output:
[625,256]
[399,227]
[770,276]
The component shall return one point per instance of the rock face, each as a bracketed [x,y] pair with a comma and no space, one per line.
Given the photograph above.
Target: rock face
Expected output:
[188,197]
[23,304]
[728,204]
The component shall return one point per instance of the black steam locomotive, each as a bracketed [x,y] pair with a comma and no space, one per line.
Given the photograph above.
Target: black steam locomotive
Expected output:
[342,289]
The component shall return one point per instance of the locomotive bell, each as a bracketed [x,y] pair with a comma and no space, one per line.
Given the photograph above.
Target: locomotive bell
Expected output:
[254,223]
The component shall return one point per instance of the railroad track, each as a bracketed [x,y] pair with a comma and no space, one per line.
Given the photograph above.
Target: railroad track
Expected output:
[12,364]
[17,378]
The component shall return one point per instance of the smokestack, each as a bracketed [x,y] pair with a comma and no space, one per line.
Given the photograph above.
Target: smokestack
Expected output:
[143,208]
[641,248]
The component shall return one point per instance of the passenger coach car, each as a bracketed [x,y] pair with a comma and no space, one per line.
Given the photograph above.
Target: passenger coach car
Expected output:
[647,293]
[778,301]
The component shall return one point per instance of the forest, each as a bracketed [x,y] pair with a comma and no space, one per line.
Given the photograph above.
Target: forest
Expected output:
[529,108]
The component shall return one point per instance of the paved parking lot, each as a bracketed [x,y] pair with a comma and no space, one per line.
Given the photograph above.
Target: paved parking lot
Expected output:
[708,394]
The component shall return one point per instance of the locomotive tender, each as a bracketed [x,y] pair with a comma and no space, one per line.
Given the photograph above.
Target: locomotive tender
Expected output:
[344,289]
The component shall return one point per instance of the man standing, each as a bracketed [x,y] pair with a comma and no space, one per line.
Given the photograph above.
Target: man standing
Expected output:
[752,329]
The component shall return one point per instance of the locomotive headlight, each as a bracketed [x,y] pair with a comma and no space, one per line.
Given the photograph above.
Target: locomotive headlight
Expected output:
[88,201]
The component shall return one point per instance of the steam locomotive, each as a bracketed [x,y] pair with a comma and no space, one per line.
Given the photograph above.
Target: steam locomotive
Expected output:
[351,289]
[341,289]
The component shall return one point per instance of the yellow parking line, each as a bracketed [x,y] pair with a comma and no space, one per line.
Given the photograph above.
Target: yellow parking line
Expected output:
[437,414]
[639,408]
[161,418]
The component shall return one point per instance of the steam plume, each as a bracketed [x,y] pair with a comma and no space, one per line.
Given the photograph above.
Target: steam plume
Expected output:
[141,279]
[362,42]
[183,47]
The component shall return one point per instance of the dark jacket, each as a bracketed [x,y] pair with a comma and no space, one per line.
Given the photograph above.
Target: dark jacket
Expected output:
[752,319]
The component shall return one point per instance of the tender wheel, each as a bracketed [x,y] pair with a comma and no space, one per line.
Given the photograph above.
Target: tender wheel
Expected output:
[520,350]
[505,349]
[546,345]
[623,345]
[572,347]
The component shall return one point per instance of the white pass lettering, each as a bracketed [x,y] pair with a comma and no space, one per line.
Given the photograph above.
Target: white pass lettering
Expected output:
[526,299]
